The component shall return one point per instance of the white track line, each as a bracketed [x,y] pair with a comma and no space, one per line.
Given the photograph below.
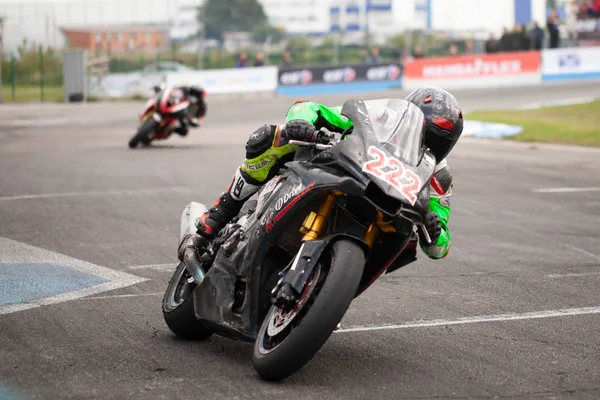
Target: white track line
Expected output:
[95,193]
[478,319]
[573,275]
[160,267]
[119,296]
[567,190]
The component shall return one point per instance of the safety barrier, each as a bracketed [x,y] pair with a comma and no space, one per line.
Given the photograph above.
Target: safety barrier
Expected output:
[480,71]
[226,81]
[339,78]
[461,72]
[570,64]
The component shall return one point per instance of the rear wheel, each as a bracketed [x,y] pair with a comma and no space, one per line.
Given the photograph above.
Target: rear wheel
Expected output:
[144,131]
[178,307]
[287,341]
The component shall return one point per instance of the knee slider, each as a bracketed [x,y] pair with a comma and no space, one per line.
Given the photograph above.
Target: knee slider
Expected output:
[260,141]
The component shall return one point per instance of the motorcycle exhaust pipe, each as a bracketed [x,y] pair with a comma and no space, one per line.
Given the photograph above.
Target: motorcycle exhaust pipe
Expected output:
[189,256]
[193,265]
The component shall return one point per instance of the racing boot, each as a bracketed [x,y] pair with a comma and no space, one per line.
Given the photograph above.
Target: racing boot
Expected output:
[227,206]
[181,130]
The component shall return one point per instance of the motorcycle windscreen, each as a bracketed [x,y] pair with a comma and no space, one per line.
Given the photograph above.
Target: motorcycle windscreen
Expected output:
[387,146]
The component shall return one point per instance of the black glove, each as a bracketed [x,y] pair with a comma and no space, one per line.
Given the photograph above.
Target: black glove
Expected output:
[433,226]
[299,129]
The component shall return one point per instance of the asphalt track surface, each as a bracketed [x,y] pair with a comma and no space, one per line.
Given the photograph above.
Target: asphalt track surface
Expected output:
[512,312]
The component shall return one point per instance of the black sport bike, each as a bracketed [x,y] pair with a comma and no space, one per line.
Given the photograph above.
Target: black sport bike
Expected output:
[329,224]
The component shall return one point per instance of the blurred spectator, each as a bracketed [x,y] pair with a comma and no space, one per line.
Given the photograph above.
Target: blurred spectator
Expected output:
[537,36]
[374,56]
[453,49]
[286,60]
[469,47]
[553,29]
[242,60]
[491,45]
[504,40]
[417,52]
[523,38]
[259,60]
[589,9]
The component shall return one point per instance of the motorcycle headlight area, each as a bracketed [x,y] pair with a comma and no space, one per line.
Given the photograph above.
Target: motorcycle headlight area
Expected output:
[174,100]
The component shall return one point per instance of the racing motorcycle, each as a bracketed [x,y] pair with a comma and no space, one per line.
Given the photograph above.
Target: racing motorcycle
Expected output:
[163,113]
[329,224]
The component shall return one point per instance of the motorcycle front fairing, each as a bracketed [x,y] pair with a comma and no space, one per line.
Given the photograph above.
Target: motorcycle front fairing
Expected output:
[387,147]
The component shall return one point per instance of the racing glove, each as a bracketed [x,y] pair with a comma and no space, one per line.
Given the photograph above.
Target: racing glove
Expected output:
[433,226]
[299,129]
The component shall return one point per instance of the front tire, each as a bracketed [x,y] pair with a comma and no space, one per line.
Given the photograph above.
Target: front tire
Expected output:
[178,307]
[148,126]
[276,358]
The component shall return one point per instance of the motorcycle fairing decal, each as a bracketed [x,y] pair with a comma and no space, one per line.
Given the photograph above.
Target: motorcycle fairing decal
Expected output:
[285,209]
[405,181]
[150,106]
[178,107]
[165,99]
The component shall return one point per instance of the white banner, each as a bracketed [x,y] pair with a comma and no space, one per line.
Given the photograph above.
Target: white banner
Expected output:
[234,80]
[573,63]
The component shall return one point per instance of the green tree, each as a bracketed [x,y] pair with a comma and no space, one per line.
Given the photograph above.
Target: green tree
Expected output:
[220,16]
[260,33]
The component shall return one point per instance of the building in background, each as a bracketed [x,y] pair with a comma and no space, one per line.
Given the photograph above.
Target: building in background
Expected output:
[185,24]
[40,21]
[304,17]
[117,37]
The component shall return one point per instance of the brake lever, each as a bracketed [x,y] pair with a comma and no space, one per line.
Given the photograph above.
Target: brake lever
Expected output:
[319,146]
[425,234]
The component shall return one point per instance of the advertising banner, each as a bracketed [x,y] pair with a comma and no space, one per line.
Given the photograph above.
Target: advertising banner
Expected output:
[588,31]
[478,70]
[338,78]
[570,63]
[233,80]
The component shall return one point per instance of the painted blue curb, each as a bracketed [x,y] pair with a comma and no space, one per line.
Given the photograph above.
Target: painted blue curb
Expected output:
[570,77]
[325,88]
[492,130]
[8,394]
[26,282]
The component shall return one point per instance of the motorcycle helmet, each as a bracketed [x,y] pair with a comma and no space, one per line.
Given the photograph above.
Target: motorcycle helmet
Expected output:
[443,118]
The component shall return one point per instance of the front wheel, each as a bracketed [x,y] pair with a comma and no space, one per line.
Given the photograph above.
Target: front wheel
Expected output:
[143,134]
[287,341]
[178,307]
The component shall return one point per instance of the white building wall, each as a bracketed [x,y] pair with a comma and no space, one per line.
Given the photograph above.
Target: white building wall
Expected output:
[472,15]
[538,11]
[40,20]
[298,16]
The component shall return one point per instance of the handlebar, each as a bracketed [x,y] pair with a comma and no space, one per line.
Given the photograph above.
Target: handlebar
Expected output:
[322,141]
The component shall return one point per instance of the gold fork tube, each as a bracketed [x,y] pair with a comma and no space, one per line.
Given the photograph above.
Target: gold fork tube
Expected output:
[321,217]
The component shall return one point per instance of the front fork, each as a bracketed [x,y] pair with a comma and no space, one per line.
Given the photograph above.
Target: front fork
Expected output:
[302,265]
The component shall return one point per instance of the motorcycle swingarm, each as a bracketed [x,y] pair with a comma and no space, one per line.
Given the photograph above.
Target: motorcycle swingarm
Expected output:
[307,258]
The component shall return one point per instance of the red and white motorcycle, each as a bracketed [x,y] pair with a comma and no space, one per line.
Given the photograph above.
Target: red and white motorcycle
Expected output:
[164,112]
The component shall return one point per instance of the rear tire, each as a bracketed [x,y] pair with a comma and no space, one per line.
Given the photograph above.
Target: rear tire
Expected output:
[329,304]
[178,307]
[147,127]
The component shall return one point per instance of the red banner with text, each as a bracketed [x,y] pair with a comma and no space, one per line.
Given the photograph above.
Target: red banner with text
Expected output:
[477,66]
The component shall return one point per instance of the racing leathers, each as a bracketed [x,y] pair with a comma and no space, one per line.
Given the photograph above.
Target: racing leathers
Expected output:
[195,111]
[268,148]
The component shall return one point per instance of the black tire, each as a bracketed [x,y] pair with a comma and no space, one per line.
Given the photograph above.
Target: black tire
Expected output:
[147,127]
[316,325]
[179,313]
